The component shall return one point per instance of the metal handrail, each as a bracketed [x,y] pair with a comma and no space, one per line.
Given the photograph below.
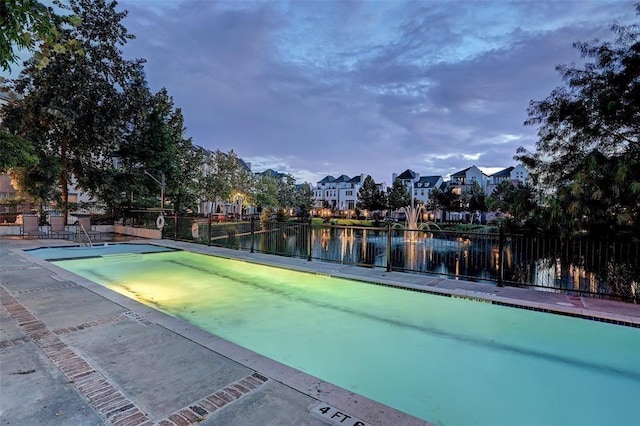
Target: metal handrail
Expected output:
[89,243]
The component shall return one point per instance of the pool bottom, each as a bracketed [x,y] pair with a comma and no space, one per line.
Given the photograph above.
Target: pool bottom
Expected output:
[349,324]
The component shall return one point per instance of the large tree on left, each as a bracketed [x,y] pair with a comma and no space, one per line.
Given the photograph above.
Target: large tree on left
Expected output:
[73,109]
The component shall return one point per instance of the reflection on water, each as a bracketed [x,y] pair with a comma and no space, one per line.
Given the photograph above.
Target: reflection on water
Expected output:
[475,257]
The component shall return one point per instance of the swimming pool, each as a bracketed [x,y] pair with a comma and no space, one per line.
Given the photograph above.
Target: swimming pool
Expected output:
[446,360]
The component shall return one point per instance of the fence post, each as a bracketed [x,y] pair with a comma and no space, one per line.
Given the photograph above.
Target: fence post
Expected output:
[175,227]
[252,233]
[388,248]
[500,250]
[309,235]
[209,228]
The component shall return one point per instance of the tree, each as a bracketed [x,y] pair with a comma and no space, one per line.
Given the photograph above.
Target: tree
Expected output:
[518,201]
[225,177]
[266,192]
[38,181]
[476,199]
[73,108]
[16,152]
[398,196]
[594,115]
[369,196]
[24,23]
[304,200]
[286,191]
[447,200]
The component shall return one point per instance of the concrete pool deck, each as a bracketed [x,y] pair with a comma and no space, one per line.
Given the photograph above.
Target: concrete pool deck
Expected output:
[73,352]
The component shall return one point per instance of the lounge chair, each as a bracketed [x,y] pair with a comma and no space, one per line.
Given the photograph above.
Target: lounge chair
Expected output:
[30,227]
[84,226]
[58,228]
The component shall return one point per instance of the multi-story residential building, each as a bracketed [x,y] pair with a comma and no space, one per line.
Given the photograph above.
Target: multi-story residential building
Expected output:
[420,187]
[463,180]
[325,193]
[515,175]
[424,186]
[348,193]
[339,193]
[408,179]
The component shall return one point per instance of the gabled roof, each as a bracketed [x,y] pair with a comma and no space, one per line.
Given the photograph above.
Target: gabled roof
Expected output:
[461,173]
[503,173]
[328,179]
[272,173]
[245,165]
[342,178]
[355,179]
[407,175]
[429,181]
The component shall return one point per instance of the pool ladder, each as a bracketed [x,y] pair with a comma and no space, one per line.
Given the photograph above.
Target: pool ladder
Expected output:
[88,243]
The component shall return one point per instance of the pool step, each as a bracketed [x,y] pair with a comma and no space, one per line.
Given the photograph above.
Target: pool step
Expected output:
[122,256]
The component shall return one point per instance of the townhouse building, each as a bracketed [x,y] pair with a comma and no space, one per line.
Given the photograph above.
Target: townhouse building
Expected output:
[339,193]
[419,187]
[326,193]
[515,175]
[464,179]
[424,187]
[348,193]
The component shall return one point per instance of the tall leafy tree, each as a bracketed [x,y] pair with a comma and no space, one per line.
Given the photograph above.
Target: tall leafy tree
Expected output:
[594,115]
[25,24]
[225,177]
[519,201]
[398,196]
[16,152]
[286,194]
[476,199]
[304,200]
[447,199]
[72,108]
[370,197]
[38,181]
[267,192]
[184,187]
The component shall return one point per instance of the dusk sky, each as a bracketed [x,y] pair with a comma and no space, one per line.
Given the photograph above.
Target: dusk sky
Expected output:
[349,87]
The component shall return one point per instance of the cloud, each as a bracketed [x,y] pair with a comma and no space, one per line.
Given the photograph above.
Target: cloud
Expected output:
[317,88]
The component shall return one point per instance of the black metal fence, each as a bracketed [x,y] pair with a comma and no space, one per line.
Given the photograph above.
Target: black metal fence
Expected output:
[578,266]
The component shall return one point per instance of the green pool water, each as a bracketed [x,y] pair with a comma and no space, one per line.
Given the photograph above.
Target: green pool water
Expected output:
[449,361]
